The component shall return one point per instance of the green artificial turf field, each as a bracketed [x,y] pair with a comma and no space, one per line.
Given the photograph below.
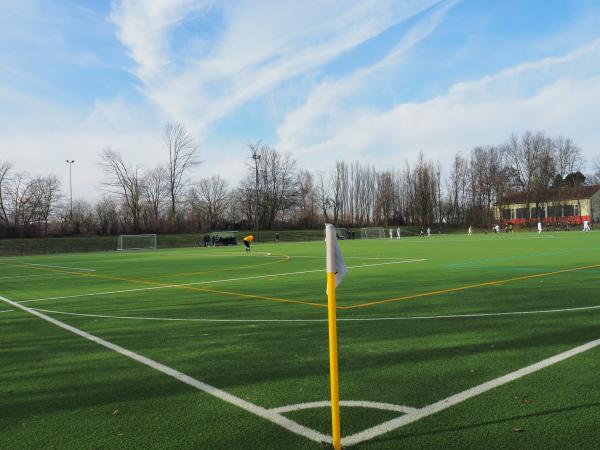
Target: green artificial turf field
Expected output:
[213,348]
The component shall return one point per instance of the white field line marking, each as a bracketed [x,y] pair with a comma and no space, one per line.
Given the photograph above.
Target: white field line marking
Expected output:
[465,395]
[290,425]
[197,283]
[6,310]
[259,411]
[38,276]
[347,403]
[58,267]
[492,238]
[356,257]
[356,319]
[174,319]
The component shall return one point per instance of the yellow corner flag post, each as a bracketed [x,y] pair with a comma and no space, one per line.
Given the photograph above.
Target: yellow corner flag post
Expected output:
[336,269]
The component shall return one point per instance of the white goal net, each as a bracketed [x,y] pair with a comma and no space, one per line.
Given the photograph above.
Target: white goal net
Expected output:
[372,233]
[136,242]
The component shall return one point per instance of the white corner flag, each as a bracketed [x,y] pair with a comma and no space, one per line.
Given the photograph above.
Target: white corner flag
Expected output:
[336,269]
[335,259]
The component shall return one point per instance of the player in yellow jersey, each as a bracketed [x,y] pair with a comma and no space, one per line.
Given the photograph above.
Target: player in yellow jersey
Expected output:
[247,240]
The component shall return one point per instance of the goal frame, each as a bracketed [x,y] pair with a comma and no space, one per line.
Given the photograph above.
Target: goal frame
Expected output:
[372,233]
[123,237]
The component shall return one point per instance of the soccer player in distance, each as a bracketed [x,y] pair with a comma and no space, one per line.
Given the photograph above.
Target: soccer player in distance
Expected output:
[247,240]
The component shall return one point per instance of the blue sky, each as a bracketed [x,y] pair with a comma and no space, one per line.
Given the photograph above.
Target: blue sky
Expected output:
[376,81]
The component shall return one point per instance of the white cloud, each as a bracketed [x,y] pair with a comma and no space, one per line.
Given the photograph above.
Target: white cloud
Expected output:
[558,95]
[321,113]
[143,27]
[261,45]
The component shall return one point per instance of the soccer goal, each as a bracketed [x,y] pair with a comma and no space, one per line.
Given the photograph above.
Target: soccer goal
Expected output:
[372,233]
[136,242]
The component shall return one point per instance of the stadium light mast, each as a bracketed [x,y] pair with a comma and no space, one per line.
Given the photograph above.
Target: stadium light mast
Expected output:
[256,158]
[70,163]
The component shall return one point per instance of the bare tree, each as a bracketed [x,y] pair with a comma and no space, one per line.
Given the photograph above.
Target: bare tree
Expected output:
[337,185]
[154,193]
[307,200]
[523,157]
[457,190]
[5,168]
[123,180]
[234,213]
[210,197]
[323,196]
[108,215]
[83,221]
[423,180]
[48,193]
[276,184]
[20,201]
[182,157]
[596,166]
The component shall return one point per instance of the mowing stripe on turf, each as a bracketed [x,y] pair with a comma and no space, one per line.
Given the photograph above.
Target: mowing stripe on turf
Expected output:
[339,319]
[469,286]
[14,277]
[187,287]
[197,283]
[479,262]
[259,411]
[455,399]
[228,269]
[79,269]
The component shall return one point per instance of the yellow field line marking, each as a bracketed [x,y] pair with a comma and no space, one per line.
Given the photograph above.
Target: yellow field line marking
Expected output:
[190,288]
[285,258]
[470,286]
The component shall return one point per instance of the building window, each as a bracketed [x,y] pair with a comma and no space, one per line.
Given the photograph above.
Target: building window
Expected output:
[521,213]
[538,213]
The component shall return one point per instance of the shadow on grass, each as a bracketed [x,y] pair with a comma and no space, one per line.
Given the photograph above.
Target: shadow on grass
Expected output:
[486,423]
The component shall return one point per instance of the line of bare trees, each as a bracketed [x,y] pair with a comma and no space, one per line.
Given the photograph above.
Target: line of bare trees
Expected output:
[26,202]
[166,198]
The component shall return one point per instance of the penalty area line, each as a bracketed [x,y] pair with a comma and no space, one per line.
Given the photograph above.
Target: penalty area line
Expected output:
[259,411]
[455,399]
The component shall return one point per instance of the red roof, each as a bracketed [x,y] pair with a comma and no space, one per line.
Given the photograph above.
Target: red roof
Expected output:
[566,193]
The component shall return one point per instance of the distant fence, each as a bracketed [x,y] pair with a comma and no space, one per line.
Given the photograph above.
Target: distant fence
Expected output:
[86,244]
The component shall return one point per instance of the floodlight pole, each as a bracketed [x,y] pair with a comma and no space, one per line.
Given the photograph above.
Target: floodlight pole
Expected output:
[70,163]
[256,158]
